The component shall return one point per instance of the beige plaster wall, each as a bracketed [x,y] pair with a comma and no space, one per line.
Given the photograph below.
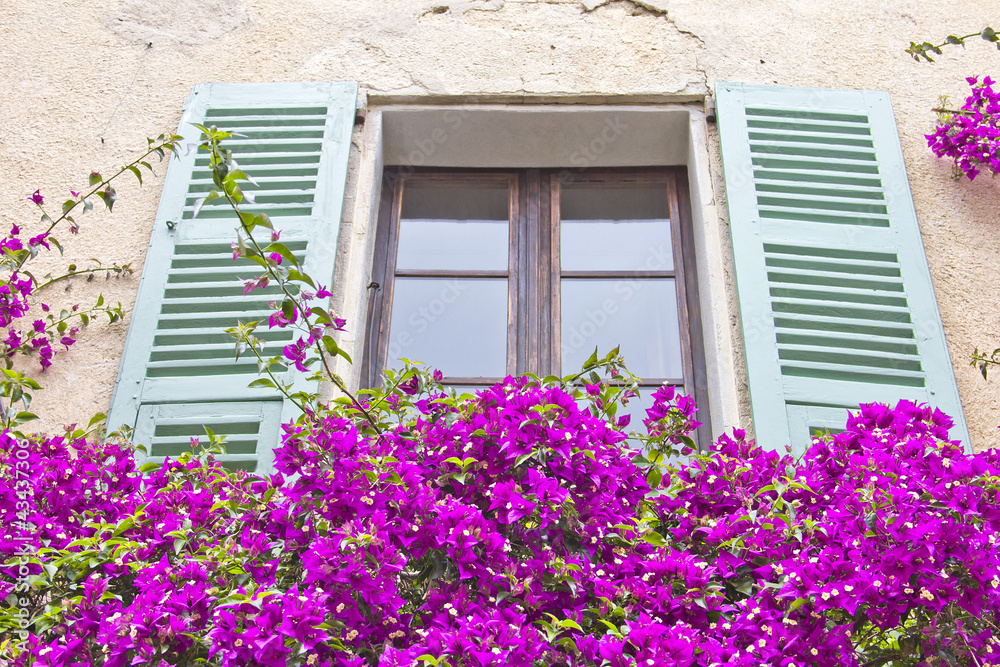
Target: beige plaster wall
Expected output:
[85,82]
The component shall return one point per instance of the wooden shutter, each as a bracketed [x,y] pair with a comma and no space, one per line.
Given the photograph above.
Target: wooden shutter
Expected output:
[179,370]
[835,296]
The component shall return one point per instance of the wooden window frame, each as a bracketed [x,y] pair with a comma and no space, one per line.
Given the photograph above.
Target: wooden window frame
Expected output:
[534,274]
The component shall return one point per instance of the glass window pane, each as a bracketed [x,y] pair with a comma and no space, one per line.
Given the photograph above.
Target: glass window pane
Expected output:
[454,226]
[622,227]
[457,325]
[638,315]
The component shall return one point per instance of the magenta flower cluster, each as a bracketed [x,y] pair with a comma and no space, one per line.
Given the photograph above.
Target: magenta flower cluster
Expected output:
[971,135]
[15,302]
[515,528]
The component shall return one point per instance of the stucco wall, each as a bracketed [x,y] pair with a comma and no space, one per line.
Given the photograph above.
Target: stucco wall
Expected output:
[85,82]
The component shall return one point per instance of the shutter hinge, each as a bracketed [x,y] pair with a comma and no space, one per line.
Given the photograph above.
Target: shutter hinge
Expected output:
[709,110]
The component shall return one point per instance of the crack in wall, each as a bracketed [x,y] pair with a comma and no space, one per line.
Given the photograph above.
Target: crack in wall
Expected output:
[647,8]
[639,6]
[437,10]
[460,8]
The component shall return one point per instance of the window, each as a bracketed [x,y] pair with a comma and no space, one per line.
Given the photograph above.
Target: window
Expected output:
[485,273]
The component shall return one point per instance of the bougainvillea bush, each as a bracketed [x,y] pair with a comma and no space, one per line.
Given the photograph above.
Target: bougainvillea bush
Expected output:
[516,527]
[525,525]
[971,135]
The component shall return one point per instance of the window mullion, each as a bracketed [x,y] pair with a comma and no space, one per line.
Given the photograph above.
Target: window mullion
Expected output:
[552,307]
[533,346]
[516,284]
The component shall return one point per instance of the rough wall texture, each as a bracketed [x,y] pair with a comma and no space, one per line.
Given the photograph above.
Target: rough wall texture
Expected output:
[85,83]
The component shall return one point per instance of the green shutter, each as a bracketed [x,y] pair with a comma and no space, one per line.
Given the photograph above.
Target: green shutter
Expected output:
[835,296]
[179,370]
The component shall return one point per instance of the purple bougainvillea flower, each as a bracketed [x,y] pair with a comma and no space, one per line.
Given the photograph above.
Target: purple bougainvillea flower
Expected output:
[251,285]
[37,198]
[296,353]
[39,240]
[410,386]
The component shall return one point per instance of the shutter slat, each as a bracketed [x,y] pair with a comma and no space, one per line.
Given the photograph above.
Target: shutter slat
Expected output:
[824,351]
[835,295]
[224,352]
[801,322]
[179,369]
[206,335]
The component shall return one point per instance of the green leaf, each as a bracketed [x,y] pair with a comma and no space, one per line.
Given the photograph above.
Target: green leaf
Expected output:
[654,538]
[301,277]
[249,221]
[322,317]
[135,170]
[204,200]
[125,524]
[24,417]
[96,419]
[570,623]
[283,250]
[95,178]
[989,34]
[262,382]
[108,196]
[330,345]
[796,603]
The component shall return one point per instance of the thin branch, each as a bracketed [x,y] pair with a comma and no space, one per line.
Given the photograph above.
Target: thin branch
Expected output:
[159,149]
[297,304]
[92,271]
